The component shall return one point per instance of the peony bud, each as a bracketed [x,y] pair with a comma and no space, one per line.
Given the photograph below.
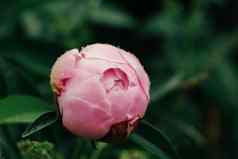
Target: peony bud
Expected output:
[102,91]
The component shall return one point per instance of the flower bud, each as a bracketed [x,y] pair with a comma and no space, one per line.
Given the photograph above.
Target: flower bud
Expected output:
[102,91]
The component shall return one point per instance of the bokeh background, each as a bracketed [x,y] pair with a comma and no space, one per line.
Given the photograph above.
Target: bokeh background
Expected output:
[188,47]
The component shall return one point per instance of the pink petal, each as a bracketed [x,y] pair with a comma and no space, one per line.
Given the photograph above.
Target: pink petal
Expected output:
[89,90]
[139,104]
[136,65]
[64,68]
[113,78]
[103,51]
[85,119]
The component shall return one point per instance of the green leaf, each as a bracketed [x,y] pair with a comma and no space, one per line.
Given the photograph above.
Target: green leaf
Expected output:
[41,122]
[147,145]
[154,140]
[160,136]
[21,109]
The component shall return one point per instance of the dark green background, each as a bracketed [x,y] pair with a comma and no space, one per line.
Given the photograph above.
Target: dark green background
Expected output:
[189,49]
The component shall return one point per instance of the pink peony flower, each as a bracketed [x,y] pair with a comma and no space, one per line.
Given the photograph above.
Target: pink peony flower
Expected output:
[102,91]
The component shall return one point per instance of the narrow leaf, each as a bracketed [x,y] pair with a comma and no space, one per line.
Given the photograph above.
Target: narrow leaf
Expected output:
[160,136]
[154,140]
[21,109]
[41,122]
[147,145]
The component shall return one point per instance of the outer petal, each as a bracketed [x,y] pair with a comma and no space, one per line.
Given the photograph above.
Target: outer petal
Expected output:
[89,90]
[103,51]
[121,102]
[85,119]
[139,104]
[63,69]
[87,68]
[136,65]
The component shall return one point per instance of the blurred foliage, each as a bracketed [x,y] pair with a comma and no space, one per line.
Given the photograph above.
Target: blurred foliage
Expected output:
[189,49]
[33,107]
[133,154]
[38,150]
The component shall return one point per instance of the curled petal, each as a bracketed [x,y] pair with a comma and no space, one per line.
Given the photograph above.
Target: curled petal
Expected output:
[63,70]
[114,78]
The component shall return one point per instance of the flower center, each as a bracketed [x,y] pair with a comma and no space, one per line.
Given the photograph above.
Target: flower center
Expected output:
[114,79]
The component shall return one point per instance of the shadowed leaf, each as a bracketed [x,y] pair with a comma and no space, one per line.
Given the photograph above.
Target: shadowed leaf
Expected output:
[41,122]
